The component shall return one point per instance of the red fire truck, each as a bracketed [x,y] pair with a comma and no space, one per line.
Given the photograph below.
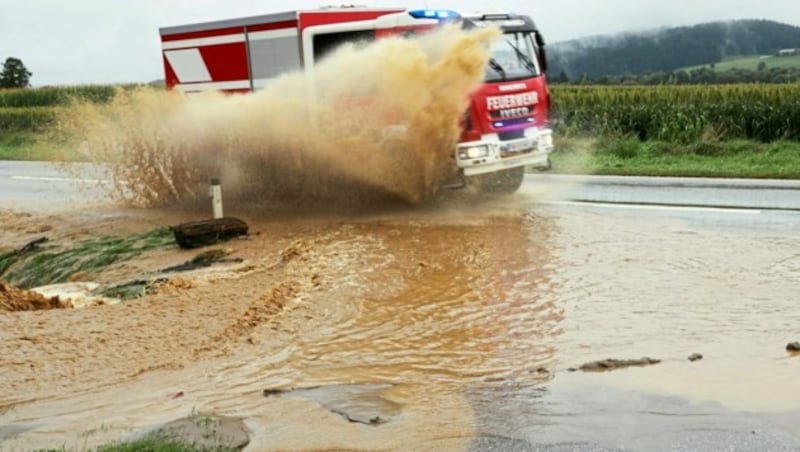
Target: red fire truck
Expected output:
[504,130]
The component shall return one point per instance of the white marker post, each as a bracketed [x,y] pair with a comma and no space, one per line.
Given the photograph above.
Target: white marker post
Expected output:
[216,197]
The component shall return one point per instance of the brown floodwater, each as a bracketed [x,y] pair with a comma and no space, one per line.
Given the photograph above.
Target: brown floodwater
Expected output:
[468,320]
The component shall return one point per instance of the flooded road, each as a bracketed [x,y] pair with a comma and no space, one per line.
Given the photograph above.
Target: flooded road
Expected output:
[453,328]
[667,283]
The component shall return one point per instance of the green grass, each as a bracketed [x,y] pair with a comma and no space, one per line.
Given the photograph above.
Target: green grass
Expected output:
[50,96]
[159,444]
[200,434]
[205,437]
[28,117]
[51,264]
[153,443]
[751,63]
[705,158]
[26,145]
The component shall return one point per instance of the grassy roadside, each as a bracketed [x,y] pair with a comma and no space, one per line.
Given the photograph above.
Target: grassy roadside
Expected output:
[194,433]
[704,158]
[151,445]
[603,156]
[23,146]
[156,444]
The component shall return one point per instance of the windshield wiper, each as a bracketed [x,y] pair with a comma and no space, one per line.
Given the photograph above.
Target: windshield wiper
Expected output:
[497,68]
[528,63]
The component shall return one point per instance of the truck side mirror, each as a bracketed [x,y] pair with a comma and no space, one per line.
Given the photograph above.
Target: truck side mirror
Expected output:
[540,52]
[542,58]
[539,39]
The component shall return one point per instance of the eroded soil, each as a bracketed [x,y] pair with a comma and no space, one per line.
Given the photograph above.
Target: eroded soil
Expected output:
[13,300]
[189,316]
[303,287]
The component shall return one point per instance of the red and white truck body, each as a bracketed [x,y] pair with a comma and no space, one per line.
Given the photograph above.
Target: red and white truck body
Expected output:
[504,130]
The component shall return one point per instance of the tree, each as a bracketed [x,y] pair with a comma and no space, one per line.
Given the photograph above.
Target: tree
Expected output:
[14,74]
[562,77]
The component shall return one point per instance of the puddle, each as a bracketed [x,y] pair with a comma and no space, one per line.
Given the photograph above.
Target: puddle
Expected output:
[363,403]
[662,287]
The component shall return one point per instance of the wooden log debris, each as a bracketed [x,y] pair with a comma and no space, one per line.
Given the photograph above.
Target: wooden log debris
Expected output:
[195,234]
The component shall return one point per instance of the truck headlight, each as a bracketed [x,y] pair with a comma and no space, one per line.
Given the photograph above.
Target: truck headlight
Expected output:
[546,140]
[473,152]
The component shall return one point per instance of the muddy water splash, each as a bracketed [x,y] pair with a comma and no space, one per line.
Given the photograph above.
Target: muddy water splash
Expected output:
[380,119]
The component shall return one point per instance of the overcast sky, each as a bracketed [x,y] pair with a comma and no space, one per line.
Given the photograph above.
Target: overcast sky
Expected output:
[65,42]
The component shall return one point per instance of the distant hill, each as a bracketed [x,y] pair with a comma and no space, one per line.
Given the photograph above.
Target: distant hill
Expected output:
[669,49]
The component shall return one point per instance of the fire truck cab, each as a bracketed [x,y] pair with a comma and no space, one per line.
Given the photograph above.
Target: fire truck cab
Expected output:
[504,130]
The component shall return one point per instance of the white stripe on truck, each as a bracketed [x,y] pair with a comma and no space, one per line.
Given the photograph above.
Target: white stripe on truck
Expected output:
[188,65]
[200,42]
[219,86]
[273,34]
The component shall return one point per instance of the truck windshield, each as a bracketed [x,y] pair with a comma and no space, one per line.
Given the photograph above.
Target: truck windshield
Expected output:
[513,58]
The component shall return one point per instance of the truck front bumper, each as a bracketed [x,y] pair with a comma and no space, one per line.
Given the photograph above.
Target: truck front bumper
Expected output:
[491,154]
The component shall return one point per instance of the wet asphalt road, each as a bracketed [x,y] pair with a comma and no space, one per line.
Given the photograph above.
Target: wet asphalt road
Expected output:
[598,418]
[37,185]
[779,195]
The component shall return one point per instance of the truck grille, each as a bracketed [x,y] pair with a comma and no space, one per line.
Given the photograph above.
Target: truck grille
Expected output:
[511,134]
[517,147]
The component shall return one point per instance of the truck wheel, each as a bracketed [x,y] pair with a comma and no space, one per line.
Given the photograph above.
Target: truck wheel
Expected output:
[547,167]
[499,182]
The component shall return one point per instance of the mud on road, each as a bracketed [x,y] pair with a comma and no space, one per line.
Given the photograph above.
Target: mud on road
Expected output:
[191,316]
[13,299]
[411,329]
[303,283]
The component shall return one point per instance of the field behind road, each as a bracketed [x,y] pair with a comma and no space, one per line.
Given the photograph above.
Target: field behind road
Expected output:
[752,62]
[715,131]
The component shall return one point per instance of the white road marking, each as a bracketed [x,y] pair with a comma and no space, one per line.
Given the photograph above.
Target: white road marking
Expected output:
[610,205]
[63,179]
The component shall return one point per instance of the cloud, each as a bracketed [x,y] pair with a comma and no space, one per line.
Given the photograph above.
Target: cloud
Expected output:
[85,41]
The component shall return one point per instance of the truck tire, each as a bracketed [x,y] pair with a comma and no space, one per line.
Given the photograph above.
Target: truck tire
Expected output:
[547,166]
[498,183]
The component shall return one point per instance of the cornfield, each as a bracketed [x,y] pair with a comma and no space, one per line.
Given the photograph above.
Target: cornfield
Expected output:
[53,96]
[34,110]
[672,113]
[28,119]
[679,113]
